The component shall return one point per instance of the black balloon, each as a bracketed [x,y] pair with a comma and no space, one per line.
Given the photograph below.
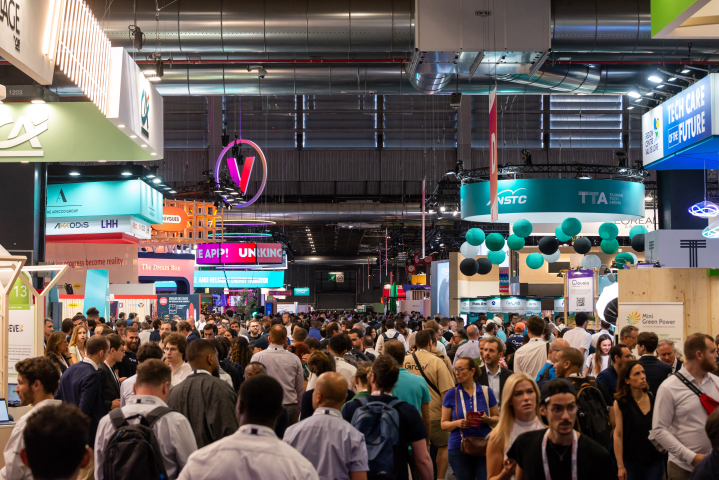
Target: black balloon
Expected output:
[484,266]
[548,245]
[468,267]
[582,245]
[638,242]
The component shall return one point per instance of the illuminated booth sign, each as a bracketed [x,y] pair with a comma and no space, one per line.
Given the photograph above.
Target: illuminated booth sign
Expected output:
[682,132]
[242,178]
[166,267]
[240,253]
[588,200]
[239,279]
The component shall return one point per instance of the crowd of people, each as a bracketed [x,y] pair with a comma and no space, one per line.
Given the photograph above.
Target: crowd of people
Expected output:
[348,395]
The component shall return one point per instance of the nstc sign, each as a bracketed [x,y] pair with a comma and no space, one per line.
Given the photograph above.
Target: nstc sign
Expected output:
[239,253]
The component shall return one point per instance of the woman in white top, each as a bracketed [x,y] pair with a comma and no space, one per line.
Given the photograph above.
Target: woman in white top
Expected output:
[77,344]
[600,360]
[175,346]
[519,414]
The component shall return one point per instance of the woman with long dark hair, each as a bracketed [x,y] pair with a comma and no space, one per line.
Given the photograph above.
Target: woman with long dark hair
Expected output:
[637,458]
[56,350]
[600,360]
[241,352]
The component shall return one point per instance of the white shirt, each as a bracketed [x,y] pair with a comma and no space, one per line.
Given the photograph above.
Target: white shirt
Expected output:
[579,338]
[181,373]
[172,431]
[590,364]
[252,452]
[14,469]
[530,358]
[469,349]
[494,382]
[91,362]
[144,336]
[347,371]
[596,336]
[390,333]
[371,351]
[126,390]
[679,418]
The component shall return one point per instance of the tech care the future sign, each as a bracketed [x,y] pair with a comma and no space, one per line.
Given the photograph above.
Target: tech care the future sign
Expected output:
[239,253]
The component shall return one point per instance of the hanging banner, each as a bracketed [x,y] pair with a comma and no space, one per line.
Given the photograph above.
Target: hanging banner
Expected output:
[478,305]
[580,290]
[516,305]
[666,319]
[493,155]
[534,306]
[494,305]
[504,280]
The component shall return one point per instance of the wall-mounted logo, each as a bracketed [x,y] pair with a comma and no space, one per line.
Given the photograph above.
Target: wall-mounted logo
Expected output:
[145,113]
[656,126]
[633,318]
[512,198]
[32,127]
[72,225]
[241,179]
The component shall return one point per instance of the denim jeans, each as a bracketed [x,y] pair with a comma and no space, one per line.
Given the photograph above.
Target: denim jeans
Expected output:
[467,467]
[644,471]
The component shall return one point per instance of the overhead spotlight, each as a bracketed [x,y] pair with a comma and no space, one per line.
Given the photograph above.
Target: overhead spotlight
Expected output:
[430,211]
[138,38]
[648,198]
[156,180]
[630,108]
[442,208]
[686,70]
[455,213]
[261,72]
[660,86]
[634,94]
[159,67]
[74,174]
[672,79]
[126,174]
[655,79]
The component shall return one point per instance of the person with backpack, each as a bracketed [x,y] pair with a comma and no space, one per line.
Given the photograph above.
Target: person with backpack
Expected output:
[390,334]
[558,451]
[334,447]
[595,414]
[390,426]
[547,372]
[469,410]
[637,458]
[145,438]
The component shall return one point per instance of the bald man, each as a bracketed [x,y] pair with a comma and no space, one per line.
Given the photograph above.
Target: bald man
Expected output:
[547,372]
[470,349]
[333,446]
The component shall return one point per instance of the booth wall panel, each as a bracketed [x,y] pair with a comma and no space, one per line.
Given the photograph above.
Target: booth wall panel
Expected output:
[699,292]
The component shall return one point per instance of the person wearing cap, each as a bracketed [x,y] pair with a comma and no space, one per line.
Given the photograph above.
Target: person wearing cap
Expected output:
[260,344]
[558,451]
[518,336]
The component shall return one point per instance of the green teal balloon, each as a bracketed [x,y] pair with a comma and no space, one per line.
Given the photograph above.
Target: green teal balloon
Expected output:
[608,231]
[515,242]
[637,230]
[609,246]
[571,226]
[496,257]
[624,257]
[494,241]
[475,236]
[522,228]
[560,235]
[535,260]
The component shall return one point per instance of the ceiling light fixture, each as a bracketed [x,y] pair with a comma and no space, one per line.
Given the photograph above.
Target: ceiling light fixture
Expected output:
[126,174]
[150,176]
[154,79]
[156,180]
[121,126]
[672,79]
[173,191]
[37,102]
[149,72]
[74,174]
[133,136]
[634,94]
[655,79]
[686,70]
[630,108]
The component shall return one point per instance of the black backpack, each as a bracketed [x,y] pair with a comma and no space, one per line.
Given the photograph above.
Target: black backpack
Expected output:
[593,413]
[384,335]
[133,452]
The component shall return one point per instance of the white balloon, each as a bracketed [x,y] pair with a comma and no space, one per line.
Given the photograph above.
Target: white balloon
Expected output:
[469,251]
[636,260]
[591,261]
[553,257]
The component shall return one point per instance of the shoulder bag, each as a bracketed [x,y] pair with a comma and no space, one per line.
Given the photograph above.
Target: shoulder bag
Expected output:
[474,446]
[707,402]
[421,370]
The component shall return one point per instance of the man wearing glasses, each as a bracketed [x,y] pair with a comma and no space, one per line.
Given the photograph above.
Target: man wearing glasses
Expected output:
[559,451]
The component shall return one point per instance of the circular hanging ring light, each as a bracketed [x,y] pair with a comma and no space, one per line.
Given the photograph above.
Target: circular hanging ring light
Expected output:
[704,209]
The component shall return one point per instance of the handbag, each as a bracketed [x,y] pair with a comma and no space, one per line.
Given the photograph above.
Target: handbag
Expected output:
[707,402]
[474,446]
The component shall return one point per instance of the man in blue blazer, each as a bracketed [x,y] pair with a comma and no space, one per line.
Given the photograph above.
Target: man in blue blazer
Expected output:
[655,370]
[81,386]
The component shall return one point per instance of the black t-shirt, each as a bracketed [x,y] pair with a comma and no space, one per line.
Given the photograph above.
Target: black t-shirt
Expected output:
[411,429]
[128,366]
[593,462]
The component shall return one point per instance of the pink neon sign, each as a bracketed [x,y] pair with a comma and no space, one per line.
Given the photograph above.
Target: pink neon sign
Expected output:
[242,179]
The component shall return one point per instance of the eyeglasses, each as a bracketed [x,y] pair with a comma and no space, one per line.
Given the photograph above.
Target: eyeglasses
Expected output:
[559,409]
[171,350]
[461,369]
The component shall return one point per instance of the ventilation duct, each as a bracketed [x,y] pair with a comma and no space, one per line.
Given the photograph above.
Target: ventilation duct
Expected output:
[302,213]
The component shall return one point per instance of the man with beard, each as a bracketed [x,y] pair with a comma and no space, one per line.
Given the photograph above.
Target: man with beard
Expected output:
[128,366]
[558,451]
[679,415]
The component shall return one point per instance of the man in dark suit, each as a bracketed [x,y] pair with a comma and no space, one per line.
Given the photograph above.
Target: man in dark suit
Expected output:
[491,374]
[655,370]
[80,385]
[108,377]
[185,329]
[668,354]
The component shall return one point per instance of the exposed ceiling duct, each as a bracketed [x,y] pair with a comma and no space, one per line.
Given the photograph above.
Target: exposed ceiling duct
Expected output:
[302,213]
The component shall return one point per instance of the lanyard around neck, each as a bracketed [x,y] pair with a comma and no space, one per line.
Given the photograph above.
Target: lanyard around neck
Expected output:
[474,401]
[545,463]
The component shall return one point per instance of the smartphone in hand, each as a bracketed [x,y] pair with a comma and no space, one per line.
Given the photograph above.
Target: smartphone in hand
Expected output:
[475,418]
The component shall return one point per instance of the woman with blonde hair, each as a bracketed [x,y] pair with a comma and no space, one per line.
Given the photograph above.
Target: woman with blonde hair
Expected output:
[78,342]
[519,414]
